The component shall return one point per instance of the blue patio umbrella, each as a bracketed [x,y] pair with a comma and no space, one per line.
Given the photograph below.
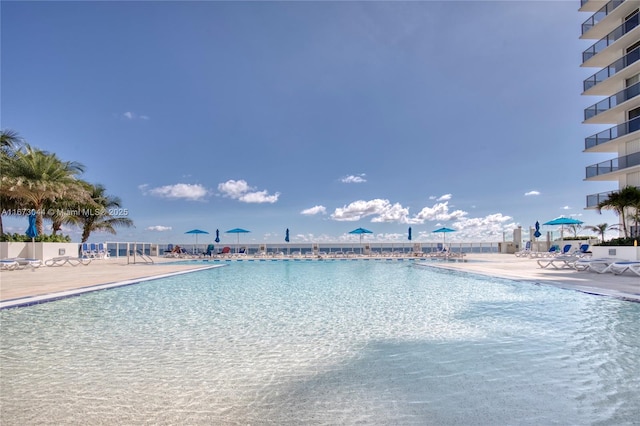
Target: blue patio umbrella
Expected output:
[563,221]
[537,234]
[32,232]
[361,232]
[237,231]
[444,232]
[196,232]
[286,238]
[217,240]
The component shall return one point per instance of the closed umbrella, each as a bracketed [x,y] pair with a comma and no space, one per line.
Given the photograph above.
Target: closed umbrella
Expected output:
[361,232]
[286,238]
[32,232]
[217,240]
[196,232]
[237,231]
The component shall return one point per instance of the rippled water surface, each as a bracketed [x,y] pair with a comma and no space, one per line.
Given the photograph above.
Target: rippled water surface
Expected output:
[323,343]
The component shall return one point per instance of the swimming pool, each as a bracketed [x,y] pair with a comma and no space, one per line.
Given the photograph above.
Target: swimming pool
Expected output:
[322,343]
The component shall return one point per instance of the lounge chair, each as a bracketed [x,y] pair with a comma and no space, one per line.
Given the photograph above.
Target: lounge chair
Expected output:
[87,252]
[526,251]
[8,265]
[24,262]
[559,262]
[621,267]
[595,265]
[225,251]
[102,252]
[64,260]
[209,251]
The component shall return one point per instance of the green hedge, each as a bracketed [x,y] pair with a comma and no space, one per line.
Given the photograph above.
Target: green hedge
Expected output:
[619,242]
[22,238]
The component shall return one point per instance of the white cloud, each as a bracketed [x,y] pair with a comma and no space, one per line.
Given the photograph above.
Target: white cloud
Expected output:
[177,191]
[445,197]
[360,209]
[159,228]
[526,194]
[314,210]
[241,191]
[354,178]
[566,208]
[133,116]
[440,212]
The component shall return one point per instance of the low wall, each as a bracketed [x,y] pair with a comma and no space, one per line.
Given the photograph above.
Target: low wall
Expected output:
[618,252]
[42,251]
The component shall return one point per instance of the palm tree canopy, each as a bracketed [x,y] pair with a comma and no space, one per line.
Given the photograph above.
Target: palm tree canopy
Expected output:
[33,177]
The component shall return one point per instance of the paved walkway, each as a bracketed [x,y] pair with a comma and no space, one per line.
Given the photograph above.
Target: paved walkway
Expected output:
[47,282]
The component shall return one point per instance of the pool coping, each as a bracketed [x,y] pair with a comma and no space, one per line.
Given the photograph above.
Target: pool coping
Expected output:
[50,297]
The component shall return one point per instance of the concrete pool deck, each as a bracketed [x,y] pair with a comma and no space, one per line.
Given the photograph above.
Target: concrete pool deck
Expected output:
[45,283]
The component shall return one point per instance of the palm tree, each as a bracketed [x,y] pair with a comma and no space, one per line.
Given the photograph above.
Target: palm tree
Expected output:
[574,229]
[10,142]
[620,202]
[601,228]
[35,177]
[101,218]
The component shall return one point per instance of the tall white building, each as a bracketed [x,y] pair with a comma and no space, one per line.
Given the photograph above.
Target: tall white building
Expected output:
[614,26]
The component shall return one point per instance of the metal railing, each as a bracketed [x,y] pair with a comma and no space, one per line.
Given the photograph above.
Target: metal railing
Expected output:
[615,67]
[613,165]
[594,200]
[600,15]
[614,132]
[612,101]
[611,38]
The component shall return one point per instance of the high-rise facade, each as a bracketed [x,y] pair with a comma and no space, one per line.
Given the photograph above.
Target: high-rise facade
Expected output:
[615,28]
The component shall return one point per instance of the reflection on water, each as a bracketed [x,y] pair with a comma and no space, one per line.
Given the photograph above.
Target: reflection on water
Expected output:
[322,343]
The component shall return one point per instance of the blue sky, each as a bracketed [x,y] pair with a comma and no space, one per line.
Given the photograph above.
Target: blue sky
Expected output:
[319,117]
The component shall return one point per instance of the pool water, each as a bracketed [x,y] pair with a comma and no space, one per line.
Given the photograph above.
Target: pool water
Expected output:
[322,343]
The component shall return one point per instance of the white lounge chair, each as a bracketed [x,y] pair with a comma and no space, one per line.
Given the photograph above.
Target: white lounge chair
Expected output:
[8,265]
[24,262]
[559,262]
[621,267]
[526,251]
[64,260]
[595,265]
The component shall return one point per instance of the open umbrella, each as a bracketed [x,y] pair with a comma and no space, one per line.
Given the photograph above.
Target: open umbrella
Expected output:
[563,221]
[444,233]
[237,231]
[196,232]
[361,232]
[217,240]
[32,232]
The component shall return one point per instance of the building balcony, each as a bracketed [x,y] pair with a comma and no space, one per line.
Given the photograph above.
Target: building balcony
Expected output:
[591,5]
[594,200]
[607,169]
[600,16]
[609,104]
[620,134]
[603,48]
[615,68]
